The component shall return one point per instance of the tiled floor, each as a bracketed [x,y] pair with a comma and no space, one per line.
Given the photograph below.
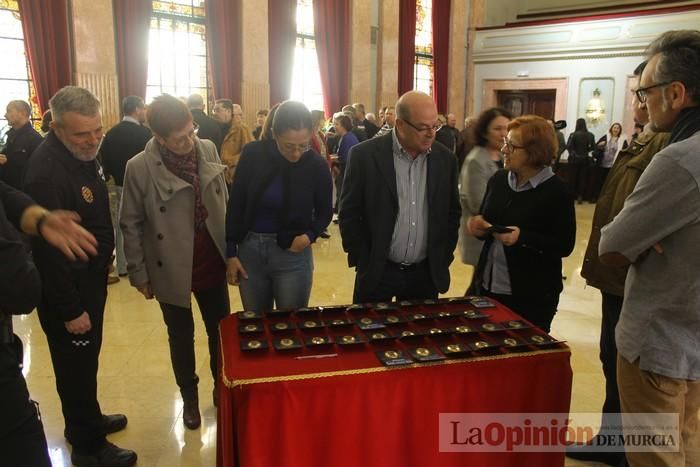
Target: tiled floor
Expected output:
[136,378]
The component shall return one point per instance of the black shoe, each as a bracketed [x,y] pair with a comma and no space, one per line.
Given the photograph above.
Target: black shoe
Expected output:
[113,423]
[324,234]
[108,455]
[190,413]
[588,452]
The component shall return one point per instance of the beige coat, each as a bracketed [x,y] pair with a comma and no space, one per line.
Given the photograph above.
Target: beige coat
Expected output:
[157,220]
[237,137]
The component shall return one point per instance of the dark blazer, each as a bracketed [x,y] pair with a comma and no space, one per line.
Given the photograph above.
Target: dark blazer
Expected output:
[369,206]
[208,128]
[122,142]
[579,145]
[21,144]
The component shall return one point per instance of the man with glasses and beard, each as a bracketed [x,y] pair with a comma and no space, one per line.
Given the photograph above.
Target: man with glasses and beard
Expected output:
[63,174]
[399,208]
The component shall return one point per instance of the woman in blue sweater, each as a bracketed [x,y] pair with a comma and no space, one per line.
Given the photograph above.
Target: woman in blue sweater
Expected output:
[520,266]
[280,203]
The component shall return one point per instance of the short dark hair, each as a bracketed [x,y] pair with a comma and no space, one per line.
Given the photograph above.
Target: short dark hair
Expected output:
[225,103]
[46,121]
[640,68]
[538,138]
[679,59]
[130,104]
[482,124]
[344,121]
[167,114]
[291,115]
[261,112]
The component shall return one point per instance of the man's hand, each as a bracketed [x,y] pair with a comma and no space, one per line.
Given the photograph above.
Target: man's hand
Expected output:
[510,238]
[146,291]
[299,243]
[477,226]
[3,159]
[234,271]
[79,325]
[61,229]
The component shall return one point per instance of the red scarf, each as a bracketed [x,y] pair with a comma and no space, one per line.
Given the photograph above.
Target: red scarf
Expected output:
[186,167]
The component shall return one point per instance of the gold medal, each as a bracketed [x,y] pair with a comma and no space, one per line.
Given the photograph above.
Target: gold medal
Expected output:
[392,354]
[310,324]
[444,314]
[286,342]
[481,344]
[489,327]
[454,348]
[418,316]
[422,352]
[462,329]
[318,340]
[251,328]
[254,344]
[436,331]
[538,339]
[348,339]
[407,334]
[281,326]
[378,335]
[510,342]
[469,313]
[515,324]
[392,319]
[249,314]
[366,321]
[337,322]
[87,194]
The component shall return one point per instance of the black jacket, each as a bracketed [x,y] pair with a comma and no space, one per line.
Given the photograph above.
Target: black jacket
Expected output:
[57,180]
[370,128]
[21,144]
[579,145]
[121,143]
[369,206]
[20,287]
[208,128]
[547,222]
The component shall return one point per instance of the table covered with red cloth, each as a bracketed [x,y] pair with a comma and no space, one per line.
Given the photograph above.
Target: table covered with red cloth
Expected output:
[349,410]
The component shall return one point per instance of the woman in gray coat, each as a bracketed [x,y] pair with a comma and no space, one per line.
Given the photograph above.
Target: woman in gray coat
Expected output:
[480,164]
[173,219]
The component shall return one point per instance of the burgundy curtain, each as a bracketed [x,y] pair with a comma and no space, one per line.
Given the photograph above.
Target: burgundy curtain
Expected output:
[407,44]
[132,23]
[225,54]
[282,32]
[441,52]
[332,29]
[45,27]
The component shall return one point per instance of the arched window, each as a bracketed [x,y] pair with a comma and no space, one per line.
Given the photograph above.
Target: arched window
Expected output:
[177,55]
[423,68]
[306,76]
[15,75]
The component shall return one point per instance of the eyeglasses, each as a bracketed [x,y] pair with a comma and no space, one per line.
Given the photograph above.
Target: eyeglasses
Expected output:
[641,93]
[424,129]
[290,148]
[508,144]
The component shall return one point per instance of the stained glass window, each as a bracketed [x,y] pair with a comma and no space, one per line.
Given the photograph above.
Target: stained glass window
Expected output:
[423,67]
[177,50]
[15,76]
[306,76]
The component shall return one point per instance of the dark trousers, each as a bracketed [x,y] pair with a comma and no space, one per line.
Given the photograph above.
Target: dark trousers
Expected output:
[214,306]
[22,439]
[410,283]
[578,178]
[612,306]
[75,361]
[537,310]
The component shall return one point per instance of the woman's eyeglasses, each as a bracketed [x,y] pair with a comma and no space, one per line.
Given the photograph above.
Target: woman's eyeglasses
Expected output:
[508,144]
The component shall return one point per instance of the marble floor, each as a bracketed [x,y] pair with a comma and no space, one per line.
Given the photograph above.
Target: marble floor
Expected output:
[135,376]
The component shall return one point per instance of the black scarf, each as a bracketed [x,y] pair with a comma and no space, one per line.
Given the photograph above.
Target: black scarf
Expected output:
[687,125]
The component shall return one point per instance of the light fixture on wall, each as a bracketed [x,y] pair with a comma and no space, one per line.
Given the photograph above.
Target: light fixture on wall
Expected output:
[595,110]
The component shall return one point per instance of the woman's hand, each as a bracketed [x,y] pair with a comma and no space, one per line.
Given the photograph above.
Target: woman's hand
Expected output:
[299,243]
[477,226]
[146,291]
[510,238]
[235,271]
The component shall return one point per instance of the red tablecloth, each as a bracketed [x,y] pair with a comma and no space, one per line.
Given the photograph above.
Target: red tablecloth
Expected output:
[275,410]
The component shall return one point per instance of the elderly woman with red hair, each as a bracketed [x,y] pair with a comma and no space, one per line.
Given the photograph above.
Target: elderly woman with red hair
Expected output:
[528,223]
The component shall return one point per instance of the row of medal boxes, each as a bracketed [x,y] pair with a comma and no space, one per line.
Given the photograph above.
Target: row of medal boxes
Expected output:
[475,302]
[369,323]
[474,343]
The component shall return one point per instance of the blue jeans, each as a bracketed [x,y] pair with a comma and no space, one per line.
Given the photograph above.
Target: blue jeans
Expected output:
[275,276]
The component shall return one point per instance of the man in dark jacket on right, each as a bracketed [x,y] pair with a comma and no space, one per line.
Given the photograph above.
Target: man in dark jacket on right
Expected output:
[208,128]
[22,140]
[126,139]
[610,280]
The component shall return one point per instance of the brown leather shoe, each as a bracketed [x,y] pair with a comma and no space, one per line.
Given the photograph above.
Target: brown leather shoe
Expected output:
[190,413]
